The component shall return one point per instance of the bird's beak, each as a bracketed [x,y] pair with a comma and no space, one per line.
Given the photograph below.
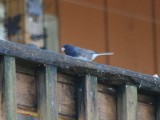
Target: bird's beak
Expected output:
[62,48]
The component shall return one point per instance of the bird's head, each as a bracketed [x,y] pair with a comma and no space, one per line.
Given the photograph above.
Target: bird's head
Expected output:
[67,47]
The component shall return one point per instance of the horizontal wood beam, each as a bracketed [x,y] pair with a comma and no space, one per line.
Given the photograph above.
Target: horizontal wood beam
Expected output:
[69,65]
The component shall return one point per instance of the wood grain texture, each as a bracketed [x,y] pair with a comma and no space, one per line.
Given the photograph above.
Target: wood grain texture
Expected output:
[61,117]
[66,100]
[66,79]
[129,28]
[51,24]
[47,93]
[26,99]
[107,108]
[1,89]
[156,8]
[147,107]
[107,102]
[25,68]
[87,98]
[127,103]
[27,95]
[50,7]
[146,99]
[9,88]
[146,111]
[106,89]
[26,87]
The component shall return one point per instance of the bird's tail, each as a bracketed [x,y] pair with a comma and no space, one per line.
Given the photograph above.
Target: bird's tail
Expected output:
[108,53]
[99,54]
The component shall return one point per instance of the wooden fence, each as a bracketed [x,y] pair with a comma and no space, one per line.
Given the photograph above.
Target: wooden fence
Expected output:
[53,86]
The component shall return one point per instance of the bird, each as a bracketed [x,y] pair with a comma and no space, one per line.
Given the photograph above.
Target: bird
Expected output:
[81,53]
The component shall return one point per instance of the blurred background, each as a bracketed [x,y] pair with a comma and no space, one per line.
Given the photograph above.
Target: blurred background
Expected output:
[129,28]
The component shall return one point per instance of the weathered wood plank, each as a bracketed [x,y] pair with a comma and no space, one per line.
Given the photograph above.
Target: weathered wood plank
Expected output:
[146,111]
[146,107]
[66,100]
[69,65]
[1,90]
[127,103]
[87,98]
[107,107]
[9,88]
[26,98]
[26,69]
[62,117]
[51,24]
[66,79]
[27,95]
[128,31]
[146,99]
[47,93]
[106,89]
[26,92]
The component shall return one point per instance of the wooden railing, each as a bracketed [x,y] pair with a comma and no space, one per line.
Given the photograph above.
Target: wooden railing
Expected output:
[28,85]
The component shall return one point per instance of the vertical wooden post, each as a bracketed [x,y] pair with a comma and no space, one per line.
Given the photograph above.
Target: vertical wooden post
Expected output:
[47,93]
[1,90]
[51,24]
[127,103]
[9,89]
[87,98]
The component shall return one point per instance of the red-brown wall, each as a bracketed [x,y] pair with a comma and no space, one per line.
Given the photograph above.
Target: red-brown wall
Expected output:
[130,29]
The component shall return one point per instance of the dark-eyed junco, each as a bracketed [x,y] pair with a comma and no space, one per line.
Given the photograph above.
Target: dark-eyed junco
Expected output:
[80,53]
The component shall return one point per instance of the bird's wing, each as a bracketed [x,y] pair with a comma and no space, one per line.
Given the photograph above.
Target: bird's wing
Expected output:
[83,52]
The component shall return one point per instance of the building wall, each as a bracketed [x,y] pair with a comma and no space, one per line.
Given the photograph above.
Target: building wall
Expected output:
[127,28]
[157,33]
